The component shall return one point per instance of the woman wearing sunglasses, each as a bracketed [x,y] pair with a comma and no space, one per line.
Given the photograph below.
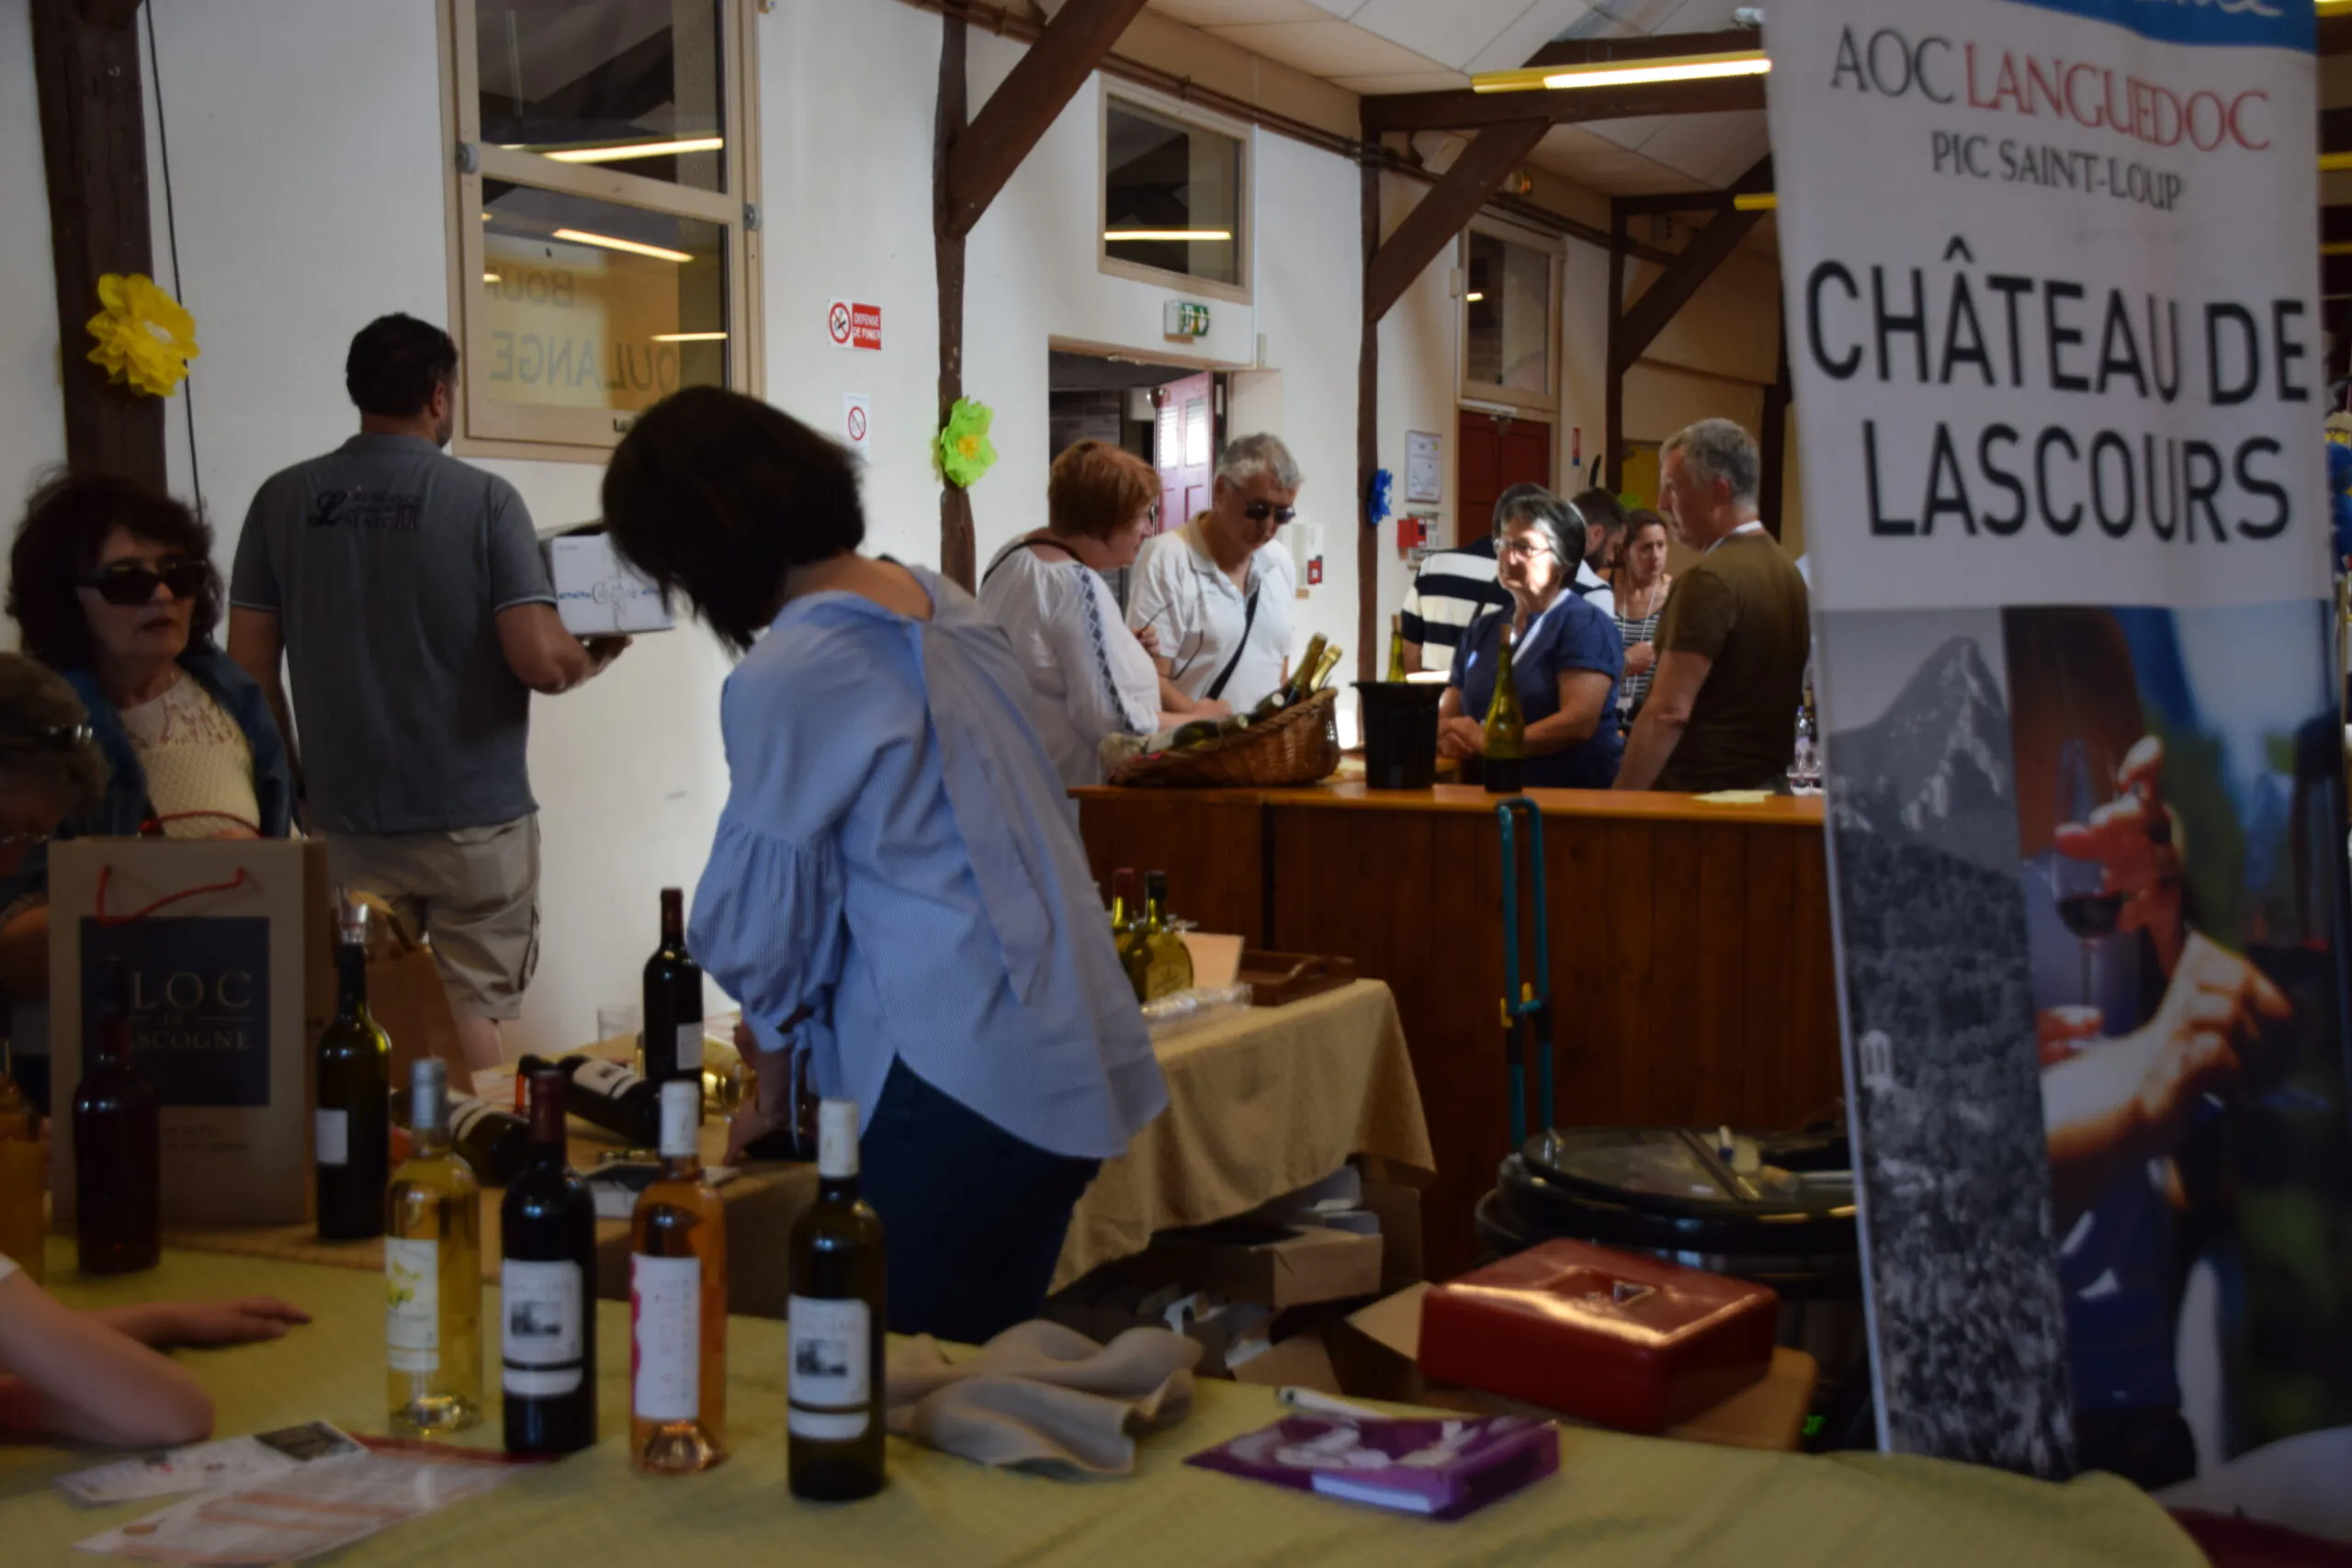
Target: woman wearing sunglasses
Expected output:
[112,586]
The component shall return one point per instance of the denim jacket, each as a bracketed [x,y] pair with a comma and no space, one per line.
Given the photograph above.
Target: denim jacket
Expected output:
[125,807]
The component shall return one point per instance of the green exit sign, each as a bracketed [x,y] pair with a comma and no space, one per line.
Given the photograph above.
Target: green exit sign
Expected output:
[1184,319]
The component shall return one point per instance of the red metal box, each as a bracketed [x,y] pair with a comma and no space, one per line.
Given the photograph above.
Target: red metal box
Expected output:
[1625,1341]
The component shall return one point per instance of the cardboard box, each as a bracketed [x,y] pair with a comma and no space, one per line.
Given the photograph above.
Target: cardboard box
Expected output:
[227,945]
[1303,1360]
[1270,1266]
[599,595]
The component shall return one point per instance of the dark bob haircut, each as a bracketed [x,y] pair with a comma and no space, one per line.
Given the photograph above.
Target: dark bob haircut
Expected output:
[717,496]
[65,525]
[395,363]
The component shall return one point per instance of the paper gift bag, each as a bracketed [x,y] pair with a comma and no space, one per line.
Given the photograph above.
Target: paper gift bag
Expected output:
[406,997]
[227,945]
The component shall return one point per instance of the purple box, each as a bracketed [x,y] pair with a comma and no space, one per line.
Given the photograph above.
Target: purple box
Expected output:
[1438,1468]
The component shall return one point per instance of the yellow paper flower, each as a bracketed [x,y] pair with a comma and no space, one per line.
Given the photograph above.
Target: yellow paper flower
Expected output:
[145,336]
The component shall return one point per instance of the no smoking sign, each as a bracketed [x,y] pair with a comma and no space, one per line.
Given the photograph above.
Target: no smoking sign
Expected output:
[852,325]
[857,419]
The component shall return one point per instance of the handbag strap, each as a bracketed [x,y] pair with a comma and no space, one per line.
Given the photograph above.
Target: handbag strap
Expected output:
[1249,619]
[106,876]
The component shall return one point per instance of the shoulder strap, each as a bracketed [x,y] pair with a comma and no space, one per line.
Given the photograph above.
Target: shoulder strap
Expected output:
[1249,619]
[1023,545]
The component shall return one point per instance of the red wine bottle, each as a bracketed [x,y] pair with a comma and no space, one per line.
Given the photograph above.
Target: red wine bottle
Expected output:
[117,1147]
[608,1095]
[546,1290]
[673,1000]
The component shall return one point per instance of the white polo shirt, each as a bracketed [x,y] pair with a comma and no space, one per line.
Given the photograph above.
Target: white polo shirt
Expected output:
[1181,594]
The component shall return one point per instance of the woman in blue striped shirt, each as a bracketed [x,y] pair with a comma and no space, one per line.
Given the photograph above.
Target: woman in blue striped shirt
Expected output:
[896,889]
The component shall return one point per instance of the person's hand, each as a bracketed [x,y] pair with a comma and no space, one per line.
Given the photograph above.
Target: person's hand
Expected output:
[1211,707]
[752,1121]
[1149,637]
[238,1320]
[1641,658]
[2135,839]
[2061,1031]
[1461,738]
[602,650]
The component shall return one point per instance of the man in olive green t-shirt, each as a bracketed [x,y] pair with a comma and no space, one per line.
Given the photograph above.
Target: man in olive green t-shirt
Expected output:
[1722,710]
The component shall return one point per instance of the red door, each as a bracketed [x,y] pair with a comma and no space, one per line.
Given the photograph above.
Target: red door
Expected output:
[1184,446]
[1494,453]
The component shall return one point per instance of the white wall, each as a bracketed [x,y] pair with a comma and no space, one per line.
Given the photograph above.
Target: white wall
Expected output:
[32,421]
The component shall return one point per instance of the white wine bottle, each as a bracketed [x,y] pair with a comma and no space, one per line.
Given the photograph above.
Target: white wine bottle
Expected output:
[838,1315]
[678,1302]
[433,1273]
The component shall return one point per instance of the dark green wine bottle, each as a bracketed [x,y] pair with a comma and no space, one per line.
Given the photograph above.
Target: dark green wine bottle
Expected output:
[835,1428]
[352,1122]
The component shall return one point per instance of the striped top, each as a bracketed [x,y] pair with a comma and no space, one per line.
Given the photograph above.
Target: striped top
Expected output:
[1633,688]
[1455,587]
[895,856]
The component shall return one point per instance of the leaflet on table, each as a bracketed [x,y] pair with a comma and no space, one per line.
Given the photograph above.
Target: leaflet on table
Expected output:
[316,1508]
[1441,1468]
[204,1467]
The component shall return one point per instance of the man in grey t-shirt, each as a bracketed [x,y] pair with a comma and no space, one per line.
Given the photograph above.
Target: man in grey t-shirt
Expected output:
[407,594]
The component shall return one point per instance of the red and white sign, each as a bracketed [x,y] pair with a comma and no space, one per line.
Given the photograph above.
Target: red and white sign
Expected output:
[850,325]
[857,420]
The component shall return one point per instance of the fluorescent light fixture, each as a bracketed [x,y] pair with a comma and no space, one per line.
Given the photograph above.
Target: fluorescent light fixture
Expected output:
[1201,235]
[1624,73]
[2333,7]
[580,236]
[1761,201]
[490,277]
[2335,163]
[1473,296]
[626,149]
[689,337]
[2340,248]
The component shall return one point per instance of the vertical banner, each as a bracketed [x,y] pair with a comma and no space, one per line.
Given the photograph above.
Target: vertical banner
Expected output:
[2050,275]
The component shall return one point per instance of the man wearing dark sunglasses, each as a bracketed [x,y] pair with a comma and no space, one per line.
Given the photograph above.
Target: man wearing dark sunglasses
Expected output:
[408,596]
[1217,592]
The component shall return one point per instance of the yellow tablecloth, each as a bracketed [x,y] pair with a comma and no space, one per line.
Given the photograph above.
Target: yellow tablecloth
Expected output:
[1618,1502]
[1260,1103]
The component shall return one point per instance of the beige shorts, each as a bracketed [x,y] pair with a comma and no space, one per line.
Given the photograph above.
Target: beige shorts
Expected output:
[475,891]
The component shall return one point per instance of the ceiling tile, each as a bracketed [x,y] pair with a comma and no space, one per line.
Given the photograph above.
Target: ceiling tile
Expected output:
[1326,49]
[1342,8]
[1699,144]
[1541,23]
[1448,33]
[1409,82]
[1629,133]
[1212,13]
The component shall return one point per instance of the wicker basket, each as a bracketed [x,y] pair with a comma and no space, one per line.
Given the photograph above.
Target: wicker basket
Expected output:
[1298,746]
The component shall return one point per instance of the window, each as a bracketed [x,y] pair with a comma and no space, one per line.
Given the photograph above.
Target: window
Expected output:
[1511,318]
[603,175]
[1172,202]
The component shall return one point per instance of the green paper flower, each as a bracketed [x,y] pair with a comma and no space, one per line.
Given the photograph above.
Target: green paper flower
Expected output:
[965,451]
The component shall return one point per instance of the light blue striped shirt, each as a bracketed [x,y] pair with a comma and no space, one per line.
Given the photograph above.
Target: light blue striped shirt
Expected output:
[897,856]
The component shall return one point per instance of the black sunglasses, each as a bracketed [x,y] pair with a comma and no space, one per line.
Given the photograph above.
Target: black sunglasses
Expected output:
[131,584]
[1259,511]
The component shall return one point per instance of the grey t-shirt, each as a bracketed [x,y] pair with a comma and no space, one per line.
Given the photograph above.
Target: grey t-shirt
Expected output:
[387,562]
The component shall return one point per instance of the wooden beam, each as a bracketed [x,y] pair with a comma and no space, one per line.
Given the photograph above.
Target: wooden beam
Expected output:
[1040,86]
[2335,34]
[1648,46]
[2335,276]
[955,547]
[1462,109]
[1676,201]
[1368,433]
[94,146]
[1773,441]
[108,12]
[1613,424]
[2335,225]
[1439,215]
[2335,130]
[1674,288]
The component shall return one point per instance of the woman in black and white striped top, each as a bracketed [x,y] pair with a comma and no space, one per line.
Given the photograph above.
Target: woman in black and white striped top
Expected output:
[1641,581]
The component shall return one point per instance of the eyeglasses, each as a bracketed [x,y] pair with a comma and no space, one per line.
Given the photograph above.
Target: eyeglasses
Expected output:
[1259,511]
[128,582]
[24,840]
[1521,548]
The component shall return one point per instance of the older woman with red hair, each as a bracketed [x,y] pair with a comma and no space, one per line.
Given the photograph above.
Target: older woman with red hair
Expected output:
[1092,677]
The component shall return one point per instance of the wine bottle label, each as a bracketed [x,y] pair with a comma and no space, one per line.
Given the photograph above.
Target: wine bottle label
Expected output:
[543,1345]
[690,1047]
[836,1139]
[608,1080]
[412,1301]
[333,1135]
[681,1121]
[464,1114]
[830,1351]
[665,1326]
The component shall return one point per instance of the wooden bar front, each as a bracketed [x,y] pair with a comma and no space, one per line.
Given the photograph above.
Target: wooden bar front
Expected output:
[1691,972]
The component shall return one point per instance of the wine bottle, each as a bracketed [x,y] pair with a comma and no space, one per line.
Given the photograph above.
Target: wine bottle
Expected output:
[1396,670]
[1302,675]
[835,1427]
[1167,962]
[678,1304]
[433,1273]
[1506,748]
[24,1223]
[1323,667]
[547,1282]
[117,1147]
[13,1102]
[672,1010]
[493,1141]
[608,1095]
[353,1115]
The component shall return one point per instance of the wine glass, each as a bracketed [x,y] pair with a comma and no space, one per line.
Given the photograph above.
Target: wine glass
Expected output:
[2089,910]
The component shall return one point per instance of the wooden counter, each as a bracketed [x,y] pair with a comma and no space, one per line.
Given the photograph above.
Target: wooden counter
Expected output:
[1691,972]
